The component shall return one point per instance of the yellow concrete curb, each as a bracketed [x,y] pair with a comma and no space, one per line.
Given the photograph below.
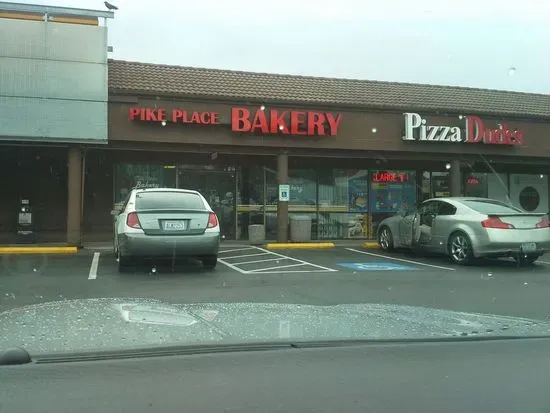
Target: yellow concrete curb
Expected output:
[300,245]
[370,244]
[38,250]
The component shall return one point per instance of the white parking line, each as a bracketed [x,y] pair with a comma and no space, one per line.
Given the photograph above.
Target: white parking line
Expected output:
[297,260]
[246,255]
[269,257]
[236,249]
[257,261]
[401,259]
[92,275]
[276,268]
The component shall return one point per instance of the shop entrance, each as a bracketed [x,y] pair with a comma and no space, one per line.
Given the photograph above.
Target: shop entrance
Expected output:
[218,185]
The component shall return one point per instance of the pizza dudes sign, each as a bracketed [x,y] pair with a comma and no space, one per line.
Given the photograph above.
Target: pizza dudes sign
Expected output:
[474,130]
[262,121]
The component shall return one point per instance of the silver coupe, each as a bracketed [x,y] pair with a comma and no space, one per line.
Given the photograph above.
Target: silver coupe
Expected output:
[467,228]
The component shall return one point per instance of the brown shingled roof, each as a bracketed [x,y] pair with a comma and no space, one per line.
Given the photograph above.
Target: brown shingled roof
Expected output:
[165,80]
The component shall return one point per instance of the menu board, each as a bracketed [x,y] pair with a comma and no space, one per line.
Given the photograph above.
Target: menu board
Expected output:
[358,190]
[392,191]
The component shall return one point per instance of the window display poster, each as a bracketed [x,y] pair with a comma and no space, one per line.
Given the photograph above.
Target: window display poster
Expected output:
[392,191]
[357,226]
[358,189]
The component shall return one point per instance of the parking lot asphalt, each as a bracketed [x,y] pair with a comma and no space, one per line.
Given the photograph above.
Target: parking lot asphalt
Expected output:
[252,274]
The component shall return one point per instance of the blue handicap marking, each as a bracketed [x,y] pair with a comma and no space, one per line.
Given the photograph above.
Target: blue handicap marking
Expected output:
[375,266]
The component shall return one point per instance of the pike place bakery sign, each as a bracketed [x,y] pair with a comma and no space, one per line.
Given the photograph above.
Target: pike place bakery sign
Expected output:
[260,121]
[472,130]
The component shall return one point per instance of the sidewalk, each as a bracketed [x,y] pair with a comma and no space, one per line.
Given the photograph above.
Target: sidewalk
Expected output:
[59,248]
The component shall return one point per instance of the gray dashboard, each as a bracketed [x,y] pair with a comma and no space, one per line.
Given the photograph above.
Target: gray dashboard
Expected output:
[478,376]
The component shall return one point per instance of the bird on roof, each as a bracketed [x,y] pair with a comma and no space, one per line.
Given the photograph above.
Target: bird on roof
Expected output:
[110,6]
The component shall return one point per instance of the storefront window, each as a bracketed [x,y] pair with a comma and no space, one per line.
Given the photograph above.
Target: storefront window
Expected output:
[475,185]
[529,192]
[343,204]
[390,192]
[250,199]
[217,183]
[440,184]
[303,198]
[129,176]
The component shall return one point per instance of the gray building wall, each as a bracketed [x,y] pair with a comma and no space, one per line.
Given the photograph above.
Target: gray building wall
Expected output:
[53,81]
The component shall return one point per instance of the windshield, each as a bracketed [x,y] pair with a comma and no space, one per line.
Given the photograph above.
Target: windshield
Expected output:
[179,172]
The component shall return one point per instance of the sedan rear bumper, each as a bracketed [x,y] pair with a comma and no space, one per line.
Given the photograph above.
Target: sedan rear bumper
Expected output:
[159,246]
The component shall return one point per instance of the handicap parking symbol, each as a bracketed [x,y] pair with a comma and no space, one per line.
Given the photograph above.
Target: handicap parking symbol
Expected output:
[375,266]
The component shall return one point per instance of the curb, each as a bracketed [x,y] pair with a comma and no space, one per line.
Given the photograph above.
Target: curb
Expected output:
[300,245]
[370,245]
[38,250]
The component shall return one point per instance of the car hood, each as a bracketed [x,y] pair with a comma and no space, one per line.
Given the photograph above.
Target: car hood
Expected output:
[111,324]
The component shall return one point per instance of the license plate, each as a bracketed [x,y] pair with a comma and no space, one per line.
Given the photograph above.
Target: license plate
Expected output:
[174,225]
[529,247]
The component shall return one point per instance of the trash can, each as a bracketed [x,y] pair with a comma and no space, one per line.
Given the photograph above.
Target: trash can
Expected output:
[256,234]
[300,228]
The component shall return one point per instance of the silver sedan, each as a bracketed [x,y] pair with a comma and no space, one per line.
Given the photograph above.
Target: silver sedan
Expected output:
[165,223]
[467,228]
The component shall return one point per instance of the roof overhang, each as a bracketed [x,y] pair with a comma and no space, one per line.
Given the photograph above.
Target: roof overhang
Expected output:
[54,10]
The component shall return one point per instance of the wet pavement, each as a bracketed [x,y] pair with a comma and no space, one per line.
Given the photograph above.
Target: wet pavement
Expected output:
[342,275]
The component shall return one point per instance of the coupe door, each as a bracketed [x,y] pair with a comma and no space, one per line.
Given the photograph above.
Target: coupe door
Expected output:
[423,223]
[405,230]
[413,228]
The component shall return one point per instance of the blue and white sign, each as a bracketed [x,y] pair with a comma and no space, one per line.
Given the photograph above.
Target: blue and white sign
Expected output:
[375,266]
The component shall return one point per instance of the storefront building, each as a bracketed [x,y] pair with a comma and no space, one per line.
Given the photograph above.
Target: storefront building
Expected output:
[352,152]
[53,105]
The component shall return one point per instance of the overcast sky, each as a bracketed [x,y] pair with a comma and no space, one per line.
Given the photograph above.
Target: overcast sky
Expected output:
[497,44]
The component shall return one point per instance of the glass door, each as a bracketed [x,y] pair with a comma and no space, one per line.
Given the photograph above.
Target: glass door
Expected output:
[217,184]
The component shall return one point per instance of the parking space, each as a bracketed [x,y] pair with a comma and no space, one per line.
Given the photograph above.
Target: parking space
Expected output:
[442,264]
[244,273]
[406,264]
[235,260]
[256,260]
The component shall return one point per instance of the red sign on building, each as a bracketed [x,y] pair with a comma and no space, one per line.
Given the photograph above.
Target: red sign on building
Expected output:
[287,122]
[260,121]
[475,130]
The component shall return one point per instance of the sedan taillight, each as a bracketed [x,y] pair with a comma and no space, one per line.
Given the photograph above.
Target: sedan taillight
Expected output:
[133,221]
[495,222]
[212,220]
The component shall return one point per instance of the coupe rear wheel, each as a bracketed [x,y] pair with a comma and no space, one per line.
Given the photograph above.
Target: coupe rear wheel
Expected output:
[460,248]
[385,239]
[526,259]
[210,262]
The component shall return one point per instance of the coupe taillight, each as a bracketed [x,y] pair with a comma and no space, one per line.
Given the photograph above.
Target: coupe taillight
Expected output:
[495,222]
[212,220]
[133,221]
[543,223]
